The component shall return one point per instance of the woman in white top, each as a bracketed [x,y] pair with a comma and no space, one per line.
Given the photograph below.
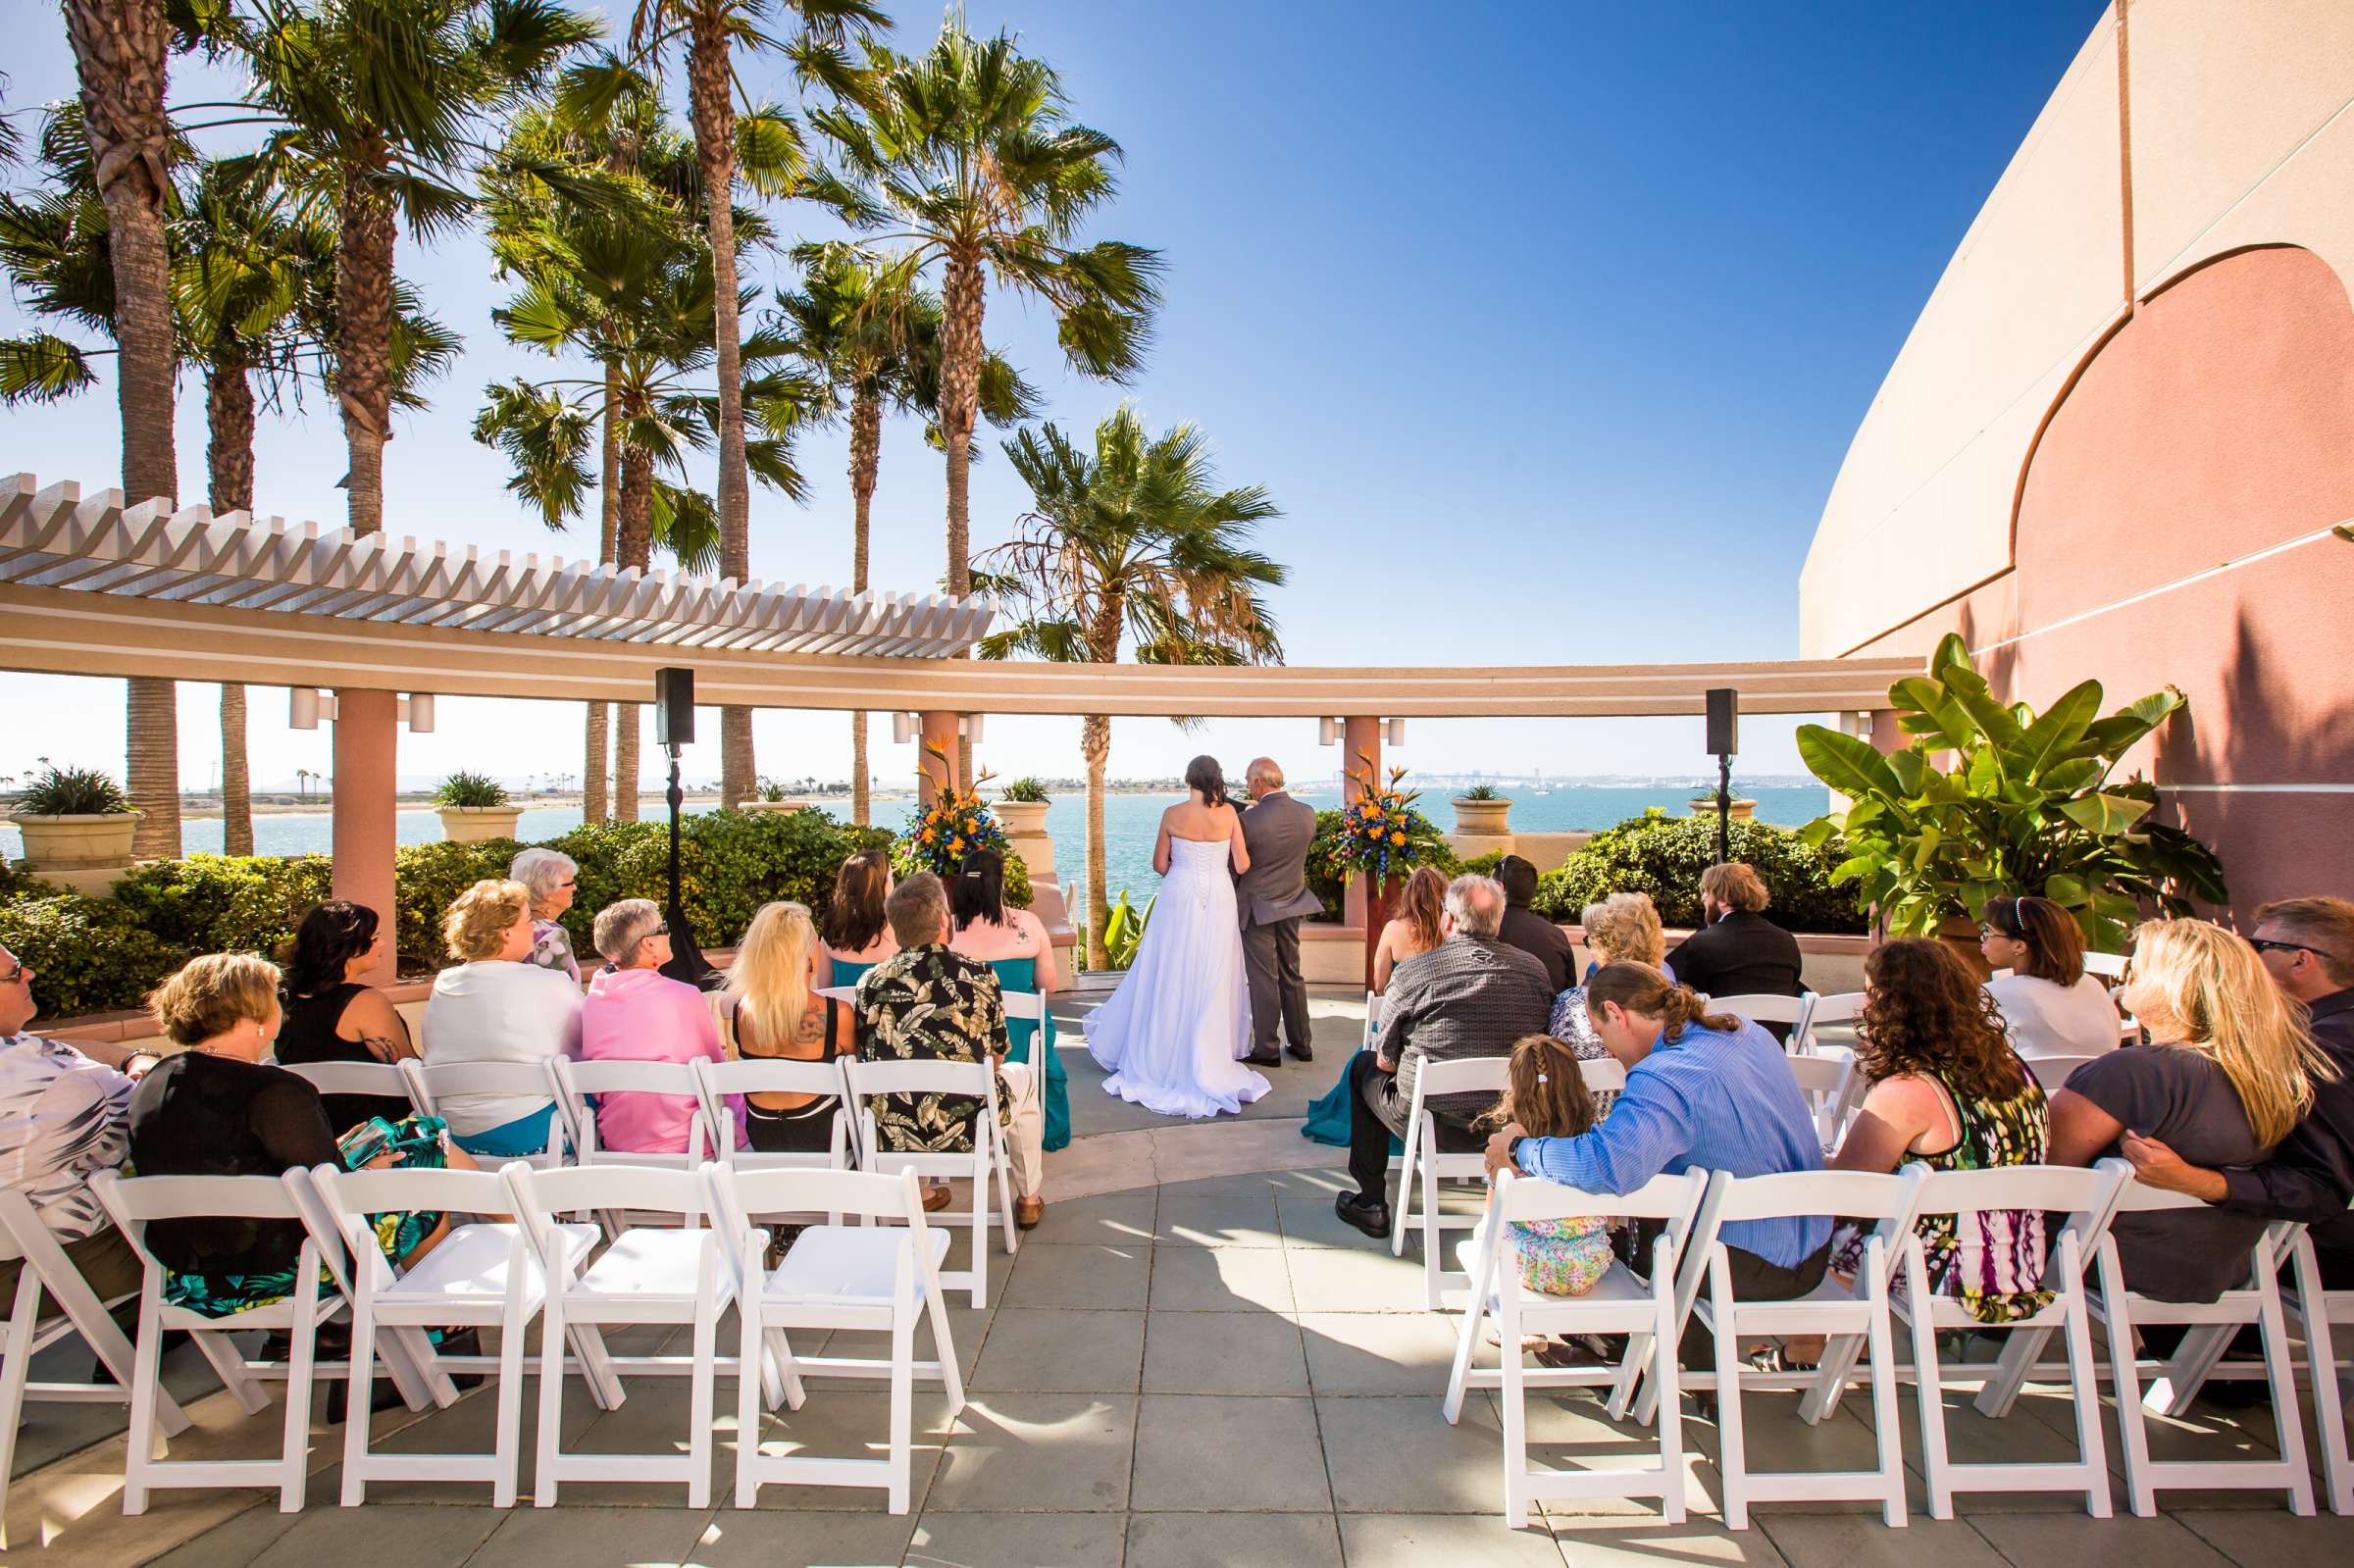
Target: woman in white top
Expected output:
[494,1006]
[2050,1004]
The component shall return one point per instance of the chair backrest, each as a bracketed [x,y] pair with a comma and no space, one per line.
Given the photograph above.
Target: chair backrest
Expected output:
[1602,1074]
[1762,1008]
[740,1194]
[1463,1074]
[1838,1007]
[1373,1014]
[1854,1194]
[1522,1198]
[2085,1196]
[23,1233]
[846,994]
[1024,1004]
[770,1074]
[614,1188]
[1830,1085]
[922,1076]
[2052,1072]
[347,1199]
[134,1200]
[356,1078]
[2108,966]
[576,1080]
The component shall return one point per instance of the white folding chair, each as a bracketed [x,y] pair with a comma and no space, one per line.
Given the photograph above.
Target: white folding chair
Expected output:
[577,1082]
[1475,1075]
[779,1075]
[389,1080]
[1835,1007]
[861,1278]
[46,1267]
[2111,967]
[433,1085]
[1831,1309]
[2051,1072]
[481,1275]
[683,1274]
[1759,1007]
[986,1158]
[1832,1090]
[1619,1303]
[1373,1019]
[2317,1314]
[2176,1381]
[2087,1197]
[135,1201]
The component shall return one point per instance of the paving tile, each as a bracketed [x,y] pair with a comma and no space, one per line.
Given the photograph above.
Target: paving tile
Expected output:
[421,1532]
[1379,1352]
[1230,1453]
[968,1331]
[2124,1541]
[1853,1541]
[1053,1452]
[1119,1219]
[757,1539]
[1233,1540]
[239,1541]
[1052,1275]
[655,1419]
[1362,1279]
[1222,1353]
[1388,1454]
[1418,1540]
[1309,1221]
[846,1424]
[2273,1537]
[571,1533]
[1571,1430]
[1700,1543]
[1193,1279]
[2023,1436]
[1016,1540]
[1038,1350]
[1218,1222]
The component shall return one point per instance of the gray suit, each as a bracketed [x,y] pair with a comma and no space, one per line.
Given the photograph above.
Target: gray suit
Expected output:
[1273,897]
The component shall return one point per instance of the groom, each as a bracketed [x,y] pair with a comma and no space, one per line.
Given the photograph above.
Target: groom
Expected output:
[1273,897]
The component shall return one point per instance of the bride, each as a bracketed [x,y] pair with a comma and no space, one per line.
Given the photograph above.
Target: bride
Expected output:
[1171,1035]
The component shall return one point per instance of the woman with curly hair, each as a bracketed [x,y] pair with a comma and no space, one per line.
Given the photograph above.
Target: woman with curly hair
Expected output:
[1948,1090]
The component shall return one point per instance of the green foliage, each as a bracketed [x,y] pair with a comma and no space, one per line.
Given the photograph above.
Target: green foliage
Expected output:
[1664,856]
[467,788]
[72,792]
[224,903]
[1024,790]
[768,788]
[1124,931]
[1481,792]
[2027,807]
[89,955]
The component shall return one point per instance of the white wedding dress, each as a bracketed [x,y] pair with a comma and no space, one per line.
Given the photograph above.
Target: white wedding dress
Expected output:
[1171,1035]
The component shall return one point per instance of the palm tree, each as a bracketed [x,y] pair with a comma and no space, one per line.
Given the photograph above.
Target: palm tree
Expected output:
[1133,542]
[871,334]
[119,53]
[712,28]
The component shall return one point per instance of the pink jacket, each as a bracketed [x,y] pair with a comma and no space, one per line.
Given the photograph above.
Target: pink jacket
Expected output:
[638,1015]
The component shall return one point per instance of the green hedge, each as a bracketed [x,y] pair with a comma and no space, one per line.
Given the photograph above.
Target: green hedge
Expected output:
[104,954]
[1664,856]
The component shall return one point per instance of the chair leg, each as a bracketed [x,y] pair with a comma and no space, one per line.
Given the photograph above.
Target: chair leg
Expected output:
[2084,1391]
[13,1372]
[1888,1425]
[507,1454]
[944,1339]
[903,1383]
[1732,1453]
[230,1366]
[1466,1344]
[699,1402]
[979,1224]
[359,1387]
[304,1334]
[145,1383]
[751,1339]
[552,1337]
[2280,1372]
[2320,1362]
[1928,1388]
[1403,1219]
[1672,1407]
[1514,1399]
[2132,1427]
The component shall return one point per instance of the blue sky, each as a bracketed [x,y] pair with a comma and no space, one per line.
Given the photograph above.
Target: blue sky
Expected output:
[1545,325]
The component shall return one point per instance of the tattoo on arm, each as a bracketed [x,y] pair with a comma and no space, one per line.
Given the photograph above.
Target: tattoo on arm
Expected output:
[382,1048]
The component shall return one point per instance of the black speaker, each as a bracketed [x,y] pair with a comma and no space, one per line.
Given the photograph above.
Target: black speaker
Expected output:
[1724,707]
[674,707]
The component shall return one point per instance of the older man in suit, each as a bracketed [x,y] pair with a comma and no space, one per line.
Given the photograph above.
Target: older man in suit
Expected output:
[1273,898]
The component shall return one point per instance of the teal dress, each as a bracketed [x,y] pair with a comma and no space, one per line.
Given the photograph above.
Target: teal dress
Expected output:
[1021,974]
[1328,1113]
[846,973]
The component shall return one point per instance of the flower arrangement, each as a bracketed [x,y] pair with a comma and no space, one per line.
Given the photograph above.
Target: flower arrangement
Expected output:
[1382,835]
[937,836]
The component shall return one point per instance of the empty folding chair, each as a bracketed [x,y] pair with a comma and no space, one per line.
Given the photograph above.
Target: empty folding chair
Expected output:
[1835,1007]
[481,1275]
[651,1273]
[2051,1072]
[1830,1309]
[433,1085]
[47,1268]
[878,1277]
[389,1080]
[1486,1074]
[986,1159]
[2319,1314]
[1619,1303]
[1830,1085]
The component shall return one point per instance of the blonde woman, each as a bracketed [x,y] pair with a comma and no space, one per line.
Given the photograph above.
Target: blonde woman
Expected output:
[771,1008]
[495,1005]
[2229,1069]
[1622,929]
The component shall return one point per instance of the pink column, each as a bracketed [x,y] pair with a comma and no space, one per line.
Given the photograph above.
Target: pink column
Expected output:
[940,730]
[367,744]
[1360,752]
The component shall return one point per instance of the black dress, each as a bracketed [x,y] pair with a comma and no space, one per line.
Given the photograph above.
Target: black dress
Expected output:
[200,1115]
[308,1034]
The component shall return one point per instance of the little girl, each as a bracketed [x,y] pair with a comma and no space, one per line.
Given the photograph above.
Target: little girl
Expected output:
[1546,1096]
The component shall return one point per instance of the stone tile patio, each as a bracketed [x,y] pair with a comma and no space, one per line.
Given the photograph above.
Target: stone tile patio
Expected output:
[1199,1372]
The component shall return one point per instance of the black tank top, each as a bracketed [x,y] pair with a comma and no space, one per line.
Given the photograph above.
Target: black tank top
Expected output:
[308,1034]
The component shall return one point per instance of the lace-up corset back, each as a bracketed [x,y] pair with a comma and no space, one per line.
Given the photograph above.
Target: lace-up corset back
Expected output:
[1197,871]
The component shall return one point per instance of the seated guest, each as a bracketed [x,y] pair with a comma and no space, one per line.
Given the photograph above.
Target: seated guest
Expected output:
[1622,929]
[857,931]
[1546,1095]
[1707,1092]
[1471,995]
[63,1112]
[1738,952]
[551,879]
[636,1013]
[929,1003]
[332,1016]
[771,1008]
[1415,928]
[495,1005]
[2228,1073]
[2307,947]
[218,1108]
[1014,942]
[1523,927]
[2050,1004]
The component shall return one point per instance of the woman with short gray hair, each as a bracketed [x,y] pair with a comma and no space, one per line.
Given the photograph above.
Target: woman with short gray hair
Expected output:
[1622,929]
[551,879]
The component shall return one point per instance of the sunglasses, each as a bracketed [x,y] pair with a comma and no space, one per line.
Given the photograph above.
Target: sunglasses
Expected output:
[15,975]
[2268,945]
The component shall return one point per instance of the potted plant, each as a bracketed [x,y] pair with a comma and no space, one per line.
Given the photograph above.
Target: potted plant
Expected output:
[2028,806]
[1737,809]
[76,826]
[1022,808]
[1383,837]
[769,796]
[474,806]
[1480,813]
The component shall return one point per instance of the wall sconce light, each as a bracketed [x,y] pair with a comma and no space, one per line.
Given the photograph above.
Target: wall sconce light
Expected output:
[306,706]
[969,725]
[1328,732]
[903,728]
[1395,730]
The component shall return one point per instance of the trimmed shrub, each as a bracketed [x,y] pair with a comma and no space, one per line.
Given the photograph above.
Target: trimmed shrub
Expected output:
[89,955]
[1664,856]
[224,904]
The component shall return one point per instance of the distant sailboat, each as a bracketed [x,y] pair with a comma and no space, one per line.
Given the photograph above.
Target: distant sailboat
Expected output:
[1540,789]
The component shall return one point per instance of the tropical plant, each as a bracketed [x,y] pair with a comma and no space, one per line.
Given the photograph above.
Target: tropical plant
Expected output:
[1131,543]
[967,157]
[871,337]
[1124,931]
[1483,791]
[1025,790]
[1664,856]
[712,31]
[768,788]
[72,792]
[466,789]
[2027,807]
[1382,835]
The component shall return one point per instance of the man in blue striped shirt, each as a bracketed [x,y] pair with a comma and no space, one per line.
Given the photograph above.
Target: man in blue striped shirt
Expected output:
[1699,1096]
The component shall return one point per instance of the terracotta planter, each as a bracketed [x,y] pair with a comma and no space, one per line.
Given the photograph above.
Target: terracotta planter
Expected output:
[1481,818]
[97,841]
[1025,823]
[777,808]
[1741,810]
[470,825]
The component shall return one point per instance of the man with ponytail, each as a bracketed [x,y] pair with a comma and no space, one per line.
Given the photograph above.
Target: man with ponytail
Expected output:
[1707,1092]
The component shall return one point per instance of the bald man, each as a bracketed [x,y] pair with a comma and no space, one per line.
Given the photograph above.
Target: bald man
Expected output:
[1273,898]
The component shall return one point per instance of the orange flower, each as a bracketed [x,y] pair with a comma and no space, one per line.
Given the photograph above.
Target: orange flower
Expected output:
[1398,839]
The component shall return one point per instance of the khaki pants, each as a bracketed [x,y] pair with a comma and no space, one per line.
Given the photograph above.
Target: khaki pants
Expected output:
[1025,1140]
[105,1260]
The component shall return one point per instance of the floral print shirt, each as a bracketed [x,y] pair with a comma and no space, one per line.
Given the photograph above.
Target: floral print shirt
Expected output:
[930,1004]
[552,948]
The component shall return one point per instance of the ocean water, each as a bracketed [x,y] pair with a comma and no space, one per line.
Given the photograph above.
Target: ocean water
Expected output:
[1130,823]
